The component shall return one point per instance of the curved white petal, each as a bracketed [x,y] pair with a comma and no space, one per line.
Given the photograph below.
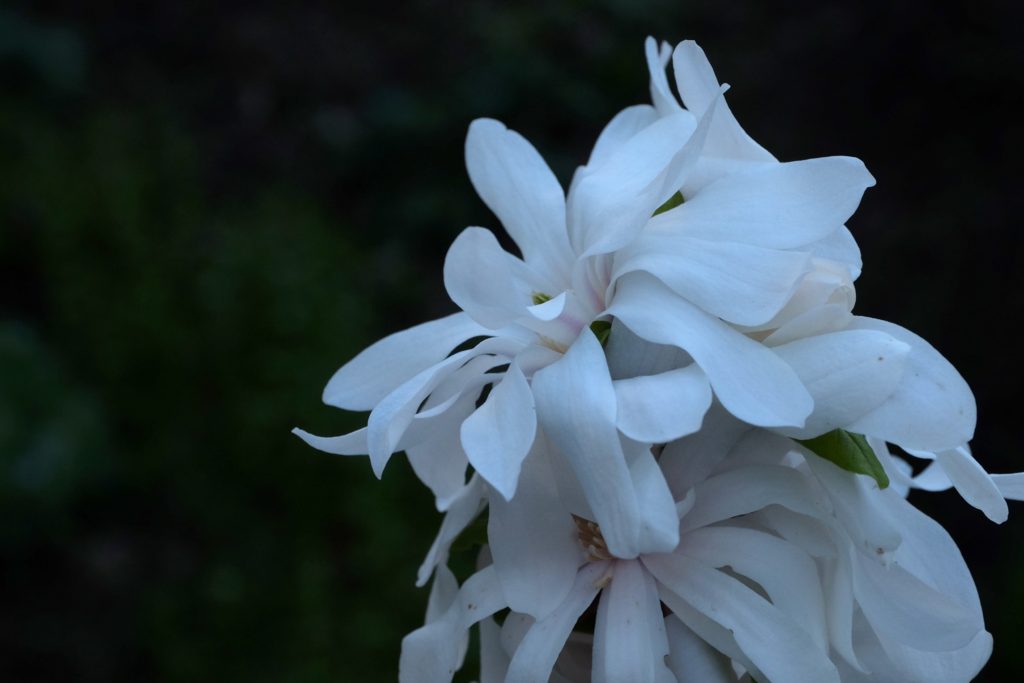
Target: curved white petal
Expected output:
[973,483]
[688,461]
[462,510]
[848,374]
[620,130]
[933,409]
[515,183]
[657,59]
[753,383]
[629,636]
[533,542]
[576,409]
[659,516]
[698,87]
[742,491]
[610,202]
[741,283]
[489,284]
[776,644]
[390,419]
[379,369]
[493,659]
[499,434]
[1011,486]
[632,356]
[781,206]
[353,443]
[692,659]
[432,653]
[787,574]
[663,407]
[902,608]
[536,654]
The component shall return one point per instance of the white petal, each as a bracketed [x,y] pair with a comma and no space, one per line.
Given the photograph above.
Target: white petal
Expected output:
[902,608]
[692,659]
[787,574]
[537,652]
[781,206]
[632,356]
[462,510]
[392,416]
[1011,486]
[353,443]
[576,409]
[379,369]
[431,653]
[664,407]
[857,503]
[440,464]
[848,374]
[619,130]
[533,542]
[839,606]
[818,320]
[777,645]
[488,283]
[737,282]
[742,491]
[973,483]
[698,87]
[499,434]
[493,660]
[659,516]
[753,383]
[612,201]
[628,615]
[933,409]
[657,59]
[841,247]
[690,460]
[515,183]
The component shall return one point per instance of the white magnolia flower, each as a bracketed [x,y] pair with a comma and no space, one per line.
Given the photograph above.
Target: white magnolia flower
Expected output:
[788,569]
[701,277]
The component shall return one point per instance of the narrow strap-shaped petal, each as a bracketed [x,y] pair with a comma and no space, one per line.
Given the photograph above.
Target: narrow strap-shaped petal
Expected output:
[973,483]
[519,187]
[777,645]
[379,369]
[536,654]
[742,491]
[629,627]
[462,510]
[432,653]
[576,408]
[692,659]
[657,59]
[788,575]
[753,383]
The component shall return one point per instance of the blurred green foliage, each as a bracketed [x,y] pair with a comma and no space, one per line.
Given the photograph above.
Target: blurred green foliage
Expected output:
[204,210]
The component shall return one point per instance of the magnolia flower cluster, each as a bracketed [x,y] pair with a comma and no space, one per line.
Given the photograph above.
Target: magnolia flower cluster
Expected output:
[676,428]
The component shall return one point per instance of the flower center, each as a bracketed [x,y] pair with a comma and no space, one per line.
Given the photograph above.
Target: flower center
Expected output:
[589,534]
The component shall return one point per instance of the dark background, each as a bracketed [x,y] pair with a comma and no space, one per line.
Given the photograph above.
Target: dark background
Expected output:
[205,208]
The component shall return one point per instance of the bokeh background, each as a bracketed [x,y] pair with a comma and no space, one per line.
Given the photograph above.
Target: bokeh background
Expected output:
[205,208]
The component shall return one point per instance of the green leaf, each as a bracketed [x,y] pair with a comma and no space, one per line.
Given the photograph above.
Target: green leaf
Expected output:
[672,202]
[849,451]
[601,330]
